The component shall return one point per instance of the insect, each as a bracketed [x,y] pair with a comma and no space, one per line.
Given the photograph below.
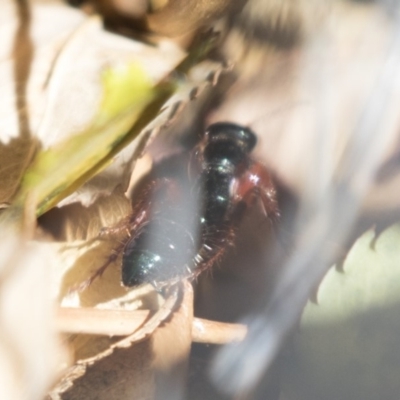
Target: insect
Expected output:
[186,219]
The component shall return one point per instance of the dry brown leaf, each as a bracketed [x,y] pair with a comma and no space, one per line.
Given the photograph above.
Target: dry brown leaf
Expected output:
[77,222]
[15,156]
[30,43]
[130,363]
[124,374]
[115,10]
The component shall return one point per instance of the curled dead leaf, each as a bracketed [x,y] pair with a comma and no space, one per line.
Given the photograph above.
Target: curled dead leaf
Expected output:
[98,358]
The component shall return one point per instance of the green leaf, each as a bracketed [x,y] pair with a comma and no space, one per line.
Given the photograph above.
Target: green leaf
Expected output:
[58,171]
[348,345]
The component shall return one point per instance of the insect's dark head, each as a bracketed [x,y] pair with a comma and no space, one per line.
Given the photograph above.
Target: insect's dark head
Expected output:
[243,137]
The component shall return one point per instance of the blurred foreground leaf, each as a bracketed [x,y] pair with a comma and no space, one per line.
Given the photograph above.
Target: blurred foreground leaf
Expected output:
[348,346]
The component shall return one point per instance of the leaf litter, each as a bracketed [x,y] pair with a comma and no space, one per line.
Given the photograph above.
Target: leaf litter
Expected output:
[69,118]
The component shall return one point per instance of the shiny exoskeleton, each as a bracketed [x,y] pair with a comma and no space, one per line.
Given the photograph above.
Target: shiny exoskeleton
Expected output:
[184,222]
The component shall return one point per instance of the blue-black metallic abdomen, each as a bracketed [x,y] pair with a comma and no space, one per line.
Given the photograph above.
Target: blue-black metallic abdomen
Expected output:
[159,252]
[183,231]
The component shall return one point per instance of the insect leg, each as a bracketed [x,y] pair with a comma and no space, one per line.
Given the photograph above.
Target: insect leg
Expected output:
[98,272]
[129,225]
[211,251]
